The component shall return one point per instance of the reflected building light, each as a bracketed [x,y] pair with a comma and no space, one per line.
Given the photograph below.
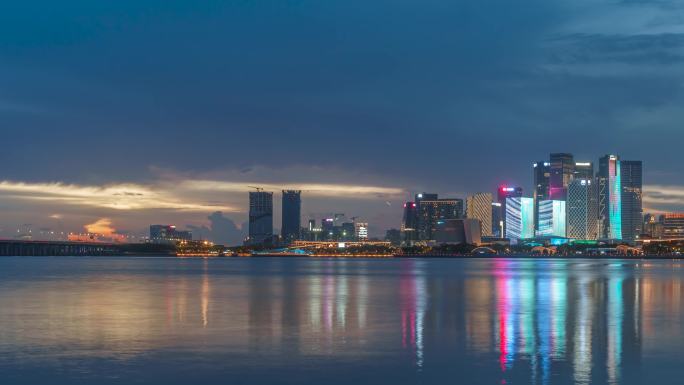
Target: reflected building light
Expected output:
[362,301]
[559,302]
[583,335]
[205,297]
[615,314]
[341,298]
[315,303]
[421,306]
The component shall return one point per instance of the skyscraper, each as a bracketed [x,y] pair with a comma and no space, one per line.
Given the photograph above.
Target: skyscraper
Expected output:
[361,231]
[561,173]
[503,194]
[479,206]
[632,212]
[519,218]
[497,220]
[582,206]
[260,217]
[584,170]
[409,225]
[610,197]
[431,211]
[292,214]
[551,219]
[541,174]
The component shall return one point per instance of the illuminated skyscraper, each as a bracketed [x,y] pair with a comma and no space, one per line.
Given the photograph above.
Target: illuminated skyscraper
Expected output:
[479,206]
[561,173]
[503,193]
[292,212]
[582,207]
[260,217]
[632,212]
[497,220]
[551,219]
[409,225]
[361,231]
[519,218]
[431,211]
[610,197]
[542,172]
[584,170]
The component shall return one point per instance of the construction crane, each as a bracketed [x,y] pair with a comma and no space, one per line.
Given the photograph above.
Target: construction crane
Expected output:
[259,189]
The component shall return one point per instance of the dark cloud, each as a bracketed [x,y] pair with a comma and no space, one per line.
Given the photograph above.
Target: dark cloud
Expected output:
[222,230]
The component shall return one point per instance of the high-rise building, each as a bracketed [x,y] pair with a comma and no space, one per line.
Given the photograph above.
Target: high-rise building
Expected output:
[503,193]
[292,214]
[632,212]
[479,206]
[673,225]
[260,217]
[519,218]
[497,220]
[584,170]
[582,210]
[430,211]
[562,170]
[361,231]
[409,225]
[551,219]
[541,175]
[610,197]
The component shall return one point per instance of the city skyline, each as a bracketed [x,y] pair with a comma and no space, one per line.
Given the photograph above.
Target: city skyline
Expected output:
[580,171]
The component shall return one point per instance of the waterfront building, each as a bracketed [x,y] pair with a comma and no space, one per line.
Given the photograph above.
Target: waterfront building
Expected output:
[562,170]
[458,231]
[260,217]
[653,227]
[610,197]
[673,225]
[327,226]
[292,214]
[552,219]
[497,220]
[431,211]
[479,206]
[631,196]
[168,234]
[582,210]
[503,193]
[361,231]
[409,224]
[519,222]
[541,175]
[584,170]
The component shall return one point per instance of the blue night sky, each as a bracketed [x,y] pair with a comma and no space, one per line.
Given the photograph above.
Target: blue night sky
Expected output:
[165,111]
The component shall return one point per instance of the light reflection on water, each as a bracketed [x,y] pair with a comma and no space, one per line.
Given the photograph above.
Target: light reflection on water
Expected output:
[148,320]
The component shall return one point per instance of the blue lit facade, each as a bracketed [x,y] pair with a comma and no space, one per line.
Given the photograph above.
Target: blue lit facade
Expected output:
[551,220]
[519,218]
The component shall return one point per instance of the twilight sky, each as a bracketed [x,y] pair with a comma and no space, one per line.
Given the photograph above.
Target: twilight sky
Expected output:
[129,112]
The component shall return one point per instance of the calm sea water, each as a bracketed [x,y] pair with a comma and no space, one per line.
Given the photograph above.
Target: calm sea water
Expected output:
[337,321]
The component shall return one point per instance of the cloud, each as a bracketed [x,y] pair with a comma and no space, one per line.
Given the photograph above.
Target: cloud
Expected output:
[662,198]
[222,230]
[101,226]
[116,196]
[330,190]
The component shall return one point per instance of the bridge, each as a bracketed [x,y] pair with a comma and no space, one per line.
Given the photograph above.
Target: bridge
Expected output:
[56,248]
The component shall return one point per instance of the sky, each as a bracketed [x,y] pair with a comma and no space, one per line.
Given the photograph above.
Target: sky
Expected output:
[129,112]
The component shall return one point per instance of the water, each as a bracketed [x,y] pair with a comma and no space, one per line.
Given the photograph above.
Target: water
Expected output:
[337,321]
